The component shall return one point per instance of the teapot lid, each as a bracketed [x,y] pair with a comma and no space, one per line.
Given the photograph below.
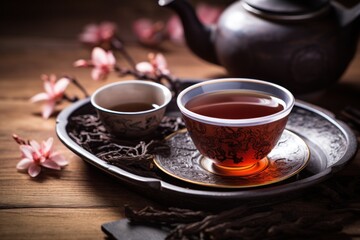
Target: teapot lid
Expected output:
[287,9]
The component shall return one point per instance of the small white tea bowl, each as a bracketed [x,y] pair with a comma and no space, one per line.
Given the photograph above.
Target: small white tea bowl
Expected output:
[131,124]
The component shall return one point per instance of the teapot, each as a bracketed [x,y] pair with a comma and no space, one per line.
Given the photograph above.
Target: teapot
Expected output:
[303,45]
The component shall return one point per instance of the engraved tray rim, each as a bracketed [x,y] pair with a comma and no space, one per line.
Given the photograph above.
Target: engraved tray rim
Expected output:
[166,190]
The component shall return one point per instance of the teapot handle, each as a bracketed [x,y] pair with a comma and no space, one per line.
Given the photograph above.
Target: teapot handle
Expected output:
[347,16]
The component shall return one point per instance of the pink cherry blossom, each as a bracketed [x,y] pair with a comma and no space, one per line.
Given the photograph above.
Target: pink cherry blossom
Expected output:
[54,92]
[148,32]
[157,65]
[208,14]
[102,62]
[174,29]
[152,33]
[95,34]
[36,156]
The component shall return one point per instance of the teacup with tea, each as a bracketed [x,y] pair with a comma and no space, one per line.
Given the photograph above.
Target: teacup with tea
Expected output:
[131,108]
[235,122]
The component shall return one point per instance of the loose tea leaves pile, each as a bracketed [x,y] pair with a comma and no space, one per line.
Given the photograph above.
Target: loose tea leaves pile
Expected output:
[320,214]
[133,155]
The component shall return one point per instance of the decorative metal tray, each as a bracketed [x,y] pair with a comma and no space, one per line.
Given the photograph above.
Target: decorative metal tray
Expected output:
[331,143]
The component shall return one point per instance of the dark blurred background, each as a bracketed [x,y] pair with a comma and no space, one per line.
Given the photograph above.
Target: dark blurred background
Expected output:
[64,18]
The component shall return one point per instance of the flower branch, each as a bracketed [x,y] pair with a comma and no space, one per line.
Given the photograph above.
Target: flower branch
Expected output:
[117,44]
[78,85]
[104,41]
[103,63]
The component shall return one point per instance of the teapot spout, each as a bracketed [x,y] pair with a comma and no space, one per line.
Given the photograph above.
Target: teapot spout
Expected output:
[347,16]
[199,37]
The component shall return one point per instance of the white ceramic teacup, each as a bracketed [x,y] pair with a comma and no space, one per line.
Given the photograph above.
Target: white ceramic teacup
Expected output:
[131,109]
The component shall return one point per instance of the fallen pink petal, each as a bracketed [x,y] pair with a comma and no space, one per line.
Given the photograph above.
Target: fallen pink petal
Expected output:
[34,170]
[47,146]
[50,164]
[59,159]
[24,164]
[36,156]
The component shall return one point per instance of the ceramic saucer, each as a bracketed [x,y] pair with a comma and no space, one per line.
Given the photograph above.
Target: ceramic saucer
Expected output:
[290,155]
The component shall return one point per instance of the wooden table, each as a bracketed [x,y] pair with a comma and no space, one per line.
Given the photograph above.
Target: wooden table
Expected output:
[73,203]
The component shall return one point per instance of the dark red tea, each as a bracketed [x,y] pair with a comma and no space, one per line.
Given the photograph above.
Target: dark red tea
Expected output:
[235,104]
[231,146]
